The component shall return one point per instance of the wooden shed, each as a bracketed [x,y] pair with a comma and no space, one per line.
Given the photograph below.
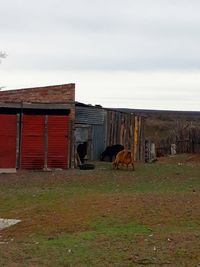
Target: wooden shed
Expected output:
[36,127]
[101,127]
[126,129]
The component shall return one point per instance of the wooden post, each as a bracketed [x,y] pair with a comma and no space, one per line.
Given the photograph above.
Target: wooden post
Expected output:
[136,138]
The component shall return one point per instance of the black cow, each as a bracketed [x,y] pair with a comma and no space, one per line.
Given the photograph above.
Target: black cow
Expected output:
[111,151]
[82,151]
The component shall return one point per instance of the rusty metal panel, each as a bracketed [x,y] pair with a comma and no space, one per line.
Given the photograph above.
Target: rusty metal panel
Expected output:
[58,127]
[33,142]
[8,132]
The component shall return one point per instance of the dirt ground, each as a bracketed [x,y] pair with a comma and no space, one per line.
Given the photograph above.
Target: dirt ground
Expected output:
[104,217]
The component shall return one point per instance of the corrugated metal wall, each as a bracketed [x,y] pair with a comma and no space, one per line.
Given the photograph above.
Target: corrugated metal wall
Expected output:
[8,140]
[58,127]
[98,143]
[89,115]
[44,142]
[33,142]
[91,120]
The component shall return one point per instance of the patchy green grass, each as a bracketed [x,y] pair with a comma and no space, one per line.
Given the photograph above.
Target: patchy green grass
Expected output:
[103,217]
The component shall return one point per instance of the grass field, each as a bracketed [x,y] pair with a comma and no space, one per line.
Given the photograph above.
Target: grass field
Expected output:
[104,217]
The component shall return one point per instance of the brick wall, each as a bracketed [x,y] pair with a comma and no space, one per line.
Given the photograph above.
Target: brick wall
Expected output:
[49,94]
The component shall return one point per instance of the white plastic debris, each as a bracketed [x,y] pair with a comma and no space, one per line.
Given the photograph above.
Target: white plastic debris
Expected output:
[4,223]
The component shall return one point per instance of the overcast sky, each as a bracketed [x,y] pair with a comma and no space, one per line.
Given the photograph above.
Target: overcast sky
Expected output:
[120,53]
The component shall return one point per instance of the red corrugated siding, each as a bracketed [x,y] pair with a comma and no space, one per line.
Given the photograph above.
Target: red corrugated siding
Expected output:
[33,142]
[8,131]
[58,141]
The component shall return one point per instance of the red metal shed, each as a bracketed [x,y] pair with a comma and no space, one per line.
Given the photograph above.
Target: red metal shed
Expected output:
[44,141]
[37,133]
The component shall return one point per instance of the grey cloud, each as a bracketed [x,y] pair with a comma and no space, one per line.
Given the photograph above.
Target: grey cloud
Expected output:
[96,34]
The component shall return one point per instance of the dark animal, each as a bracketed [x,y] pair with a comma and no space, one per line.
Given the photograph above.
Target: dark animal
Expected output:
[123,157]
[82,151]
[111,151]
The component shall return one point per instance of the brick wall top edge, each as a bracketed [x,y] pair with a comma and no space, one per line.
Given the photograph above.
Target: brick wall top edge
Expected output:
[48,94]
[36,102]
[61,86]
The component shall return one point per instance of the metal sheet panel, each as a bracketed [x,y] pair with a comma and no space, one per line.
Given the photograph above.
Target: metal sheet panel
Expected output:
[98,141]
[58,127]
[90,115]
[33,142]
[8,131]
